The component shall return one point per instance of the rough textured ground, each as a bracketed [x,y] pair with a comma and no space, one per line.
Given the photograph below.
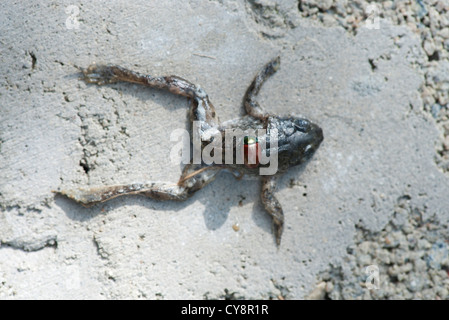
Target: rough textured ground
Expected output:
[374,194]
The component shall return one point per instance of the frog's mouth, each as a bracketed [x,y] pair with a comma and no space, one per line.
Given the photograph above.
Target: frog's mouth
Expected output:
[307,143]
[317,133]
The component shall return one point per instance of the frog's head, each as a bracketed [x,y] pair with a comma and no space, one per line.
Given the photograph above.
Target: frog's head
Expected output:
[298,139]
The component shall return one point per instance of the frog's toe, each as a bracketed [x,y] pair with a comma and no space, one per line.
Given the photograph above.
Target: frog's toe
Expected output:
[278,229]
[99,74]
[85,197]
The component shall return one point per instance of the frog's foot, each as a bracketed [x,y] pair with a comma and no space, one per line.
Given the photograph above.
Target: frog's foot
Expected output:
[99,74]
[278,226]
[272,206]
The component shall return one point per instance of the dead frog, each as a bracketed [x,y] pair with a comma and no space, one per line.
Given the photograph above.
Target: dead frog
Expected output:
[297,140]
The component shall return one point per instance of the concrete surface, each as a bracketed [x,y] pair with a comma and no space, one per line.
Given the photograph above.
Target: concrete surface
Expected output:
[362,89]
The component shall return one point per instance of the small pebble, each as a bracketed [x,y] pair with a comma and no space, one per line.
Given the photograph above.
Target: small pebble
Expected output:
[429,47]
[435,110]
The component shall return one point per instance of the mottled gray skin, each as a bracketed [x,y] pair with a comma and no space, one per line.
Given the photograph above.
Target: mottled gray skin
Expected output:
[298,139]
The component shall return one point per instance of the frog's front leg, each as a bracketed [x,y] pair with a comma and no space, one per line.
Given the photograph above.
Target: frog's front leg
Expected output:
[251,105]
[272,205]
[194,178]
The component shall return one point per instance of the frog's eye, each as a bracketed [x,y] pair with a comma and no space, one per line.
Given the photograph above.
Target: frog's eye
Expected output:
[248,140]
[302,125]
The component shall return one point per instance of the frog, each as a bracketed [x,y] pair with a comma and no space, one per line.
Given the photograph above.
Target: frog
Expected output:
[295,141]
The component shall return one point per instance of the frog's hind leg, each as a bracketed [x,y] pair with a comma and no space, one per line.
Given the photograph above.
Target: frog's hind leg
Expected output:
[251,105]
[194,178]
[201,108]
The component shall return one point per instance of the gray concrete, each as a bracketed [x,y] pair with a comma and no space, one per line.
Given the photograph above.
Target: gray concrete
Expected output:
[378,147]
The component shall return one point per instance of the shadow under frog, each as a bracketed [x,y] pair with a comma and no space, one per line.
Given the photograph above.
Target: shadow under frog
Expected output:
[297,140]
